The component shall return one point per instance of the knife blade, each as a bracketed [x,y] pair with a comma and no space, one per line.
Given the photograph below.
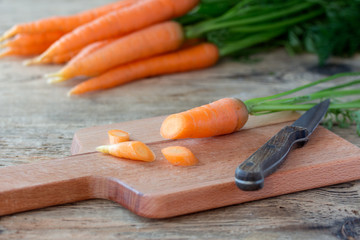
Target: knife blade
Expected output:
[250,174]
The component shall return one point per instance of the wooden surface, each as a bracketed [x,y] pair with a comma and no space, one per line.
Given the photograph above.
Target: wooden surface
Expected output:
[37,123]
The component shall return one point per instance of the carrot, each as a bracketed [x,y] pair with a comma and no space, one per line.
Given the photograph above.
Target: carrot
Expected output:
[154,40]
[217,118]
[66,23]
[180,156]
[57,59]
[25,39]
[118,136]
[90,49]
[133,150]
[200,56]
[73,55]
[24,51]
[123,21]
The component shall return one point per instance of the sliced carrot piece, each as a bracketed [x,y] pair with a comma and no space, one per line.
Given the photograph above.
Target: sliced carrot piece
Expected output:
[223,116]
[180,156]
[118,136]
[133,150]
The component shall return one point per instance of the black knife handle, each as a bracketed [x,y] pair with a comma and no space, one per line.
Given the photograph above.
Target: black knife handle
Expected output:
[250,174]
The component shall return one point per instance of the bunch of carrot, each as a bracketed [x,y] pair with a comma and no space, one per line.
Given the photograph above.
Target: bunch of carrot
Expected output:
[133,39]
[113,44]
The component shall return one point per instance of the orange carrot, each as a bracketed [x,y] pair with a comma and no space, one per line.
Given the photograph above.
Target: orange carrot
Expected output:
[180,156]
[25,39]
[217,118]
[73,55]
[90,49]
[118,136]
[197,57]
[154,40]
[120,22]
[133,150]
[66,23]
[57,59]
[24,51]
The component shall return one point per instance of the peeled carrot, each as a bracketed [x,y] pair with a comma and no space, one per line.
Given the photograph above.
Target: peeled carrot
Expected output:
[57,59]
[90,49]
[66,23]
[73,55]
[27,40]
[200,56]
[154,40]
[118,136]
[133,150]
[120,22]
[217,118]
[24,51]
[180,156]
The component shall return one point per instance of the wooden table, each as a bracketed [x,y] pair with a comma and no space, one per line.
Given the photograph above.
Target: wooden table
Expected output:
[37,123]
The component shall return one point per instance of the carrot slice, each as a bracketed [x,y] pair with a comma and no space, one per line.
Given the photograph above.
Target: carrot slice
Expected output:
[180,156]
[118,136]
[133,150]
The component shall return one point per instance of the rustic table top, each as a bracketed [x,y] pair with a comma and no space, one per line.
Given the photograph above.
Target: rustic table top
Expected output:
[37,123]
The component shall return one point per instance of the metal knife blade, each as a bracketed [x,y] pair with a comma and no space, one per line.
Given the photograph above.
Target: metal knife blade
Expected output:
[250,174]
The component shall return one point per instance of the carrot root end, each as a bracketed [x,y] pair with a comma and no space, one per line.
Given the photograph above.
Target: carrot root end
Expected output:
[103,149]
[54,78]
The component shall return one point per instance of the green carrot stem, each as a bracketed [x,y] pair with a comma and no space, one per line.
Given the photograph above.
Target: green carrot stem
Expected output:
[355,82]
[245,7]
[285,23]
[248,41]
[197,31]
[314,96]
[333,77]
[299,107]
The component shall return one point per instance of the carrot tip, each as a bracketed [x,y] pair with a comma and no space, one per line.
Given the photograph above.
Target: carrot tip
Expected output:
[3,37]
[28,62]
[103,149]
[4,54]
[36,60]
[54,78]
[70,93]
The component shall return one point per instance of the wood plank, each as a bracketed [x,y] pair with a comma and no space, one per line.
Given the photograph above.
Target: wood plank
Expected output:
[153,189]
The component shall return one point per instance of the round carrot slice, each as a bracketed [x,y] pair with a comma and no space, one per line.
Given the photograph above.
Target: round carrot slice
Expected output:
[117,136]
[180,156]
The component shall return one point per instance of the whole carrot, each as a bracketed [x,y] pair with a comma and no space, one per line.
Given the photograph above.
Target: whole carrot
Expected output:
[90,49]
[217,118]
[25,39]
[123,21]
[65,23]
[57,59]
[23,51]
[154,40]
[196,57]
[74,55]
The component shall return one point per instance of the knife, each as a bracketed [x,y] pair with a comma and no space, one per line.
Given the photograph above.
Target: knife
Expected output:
[250,174]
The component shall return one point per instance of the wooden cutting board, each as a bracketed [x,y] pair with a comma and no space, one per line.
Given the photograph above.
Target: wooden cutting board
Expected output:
[159,189]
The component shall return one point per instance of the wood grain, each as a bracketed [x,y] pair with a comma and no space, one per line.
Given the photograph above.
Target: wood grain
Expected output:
[37,123]
[154,189]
